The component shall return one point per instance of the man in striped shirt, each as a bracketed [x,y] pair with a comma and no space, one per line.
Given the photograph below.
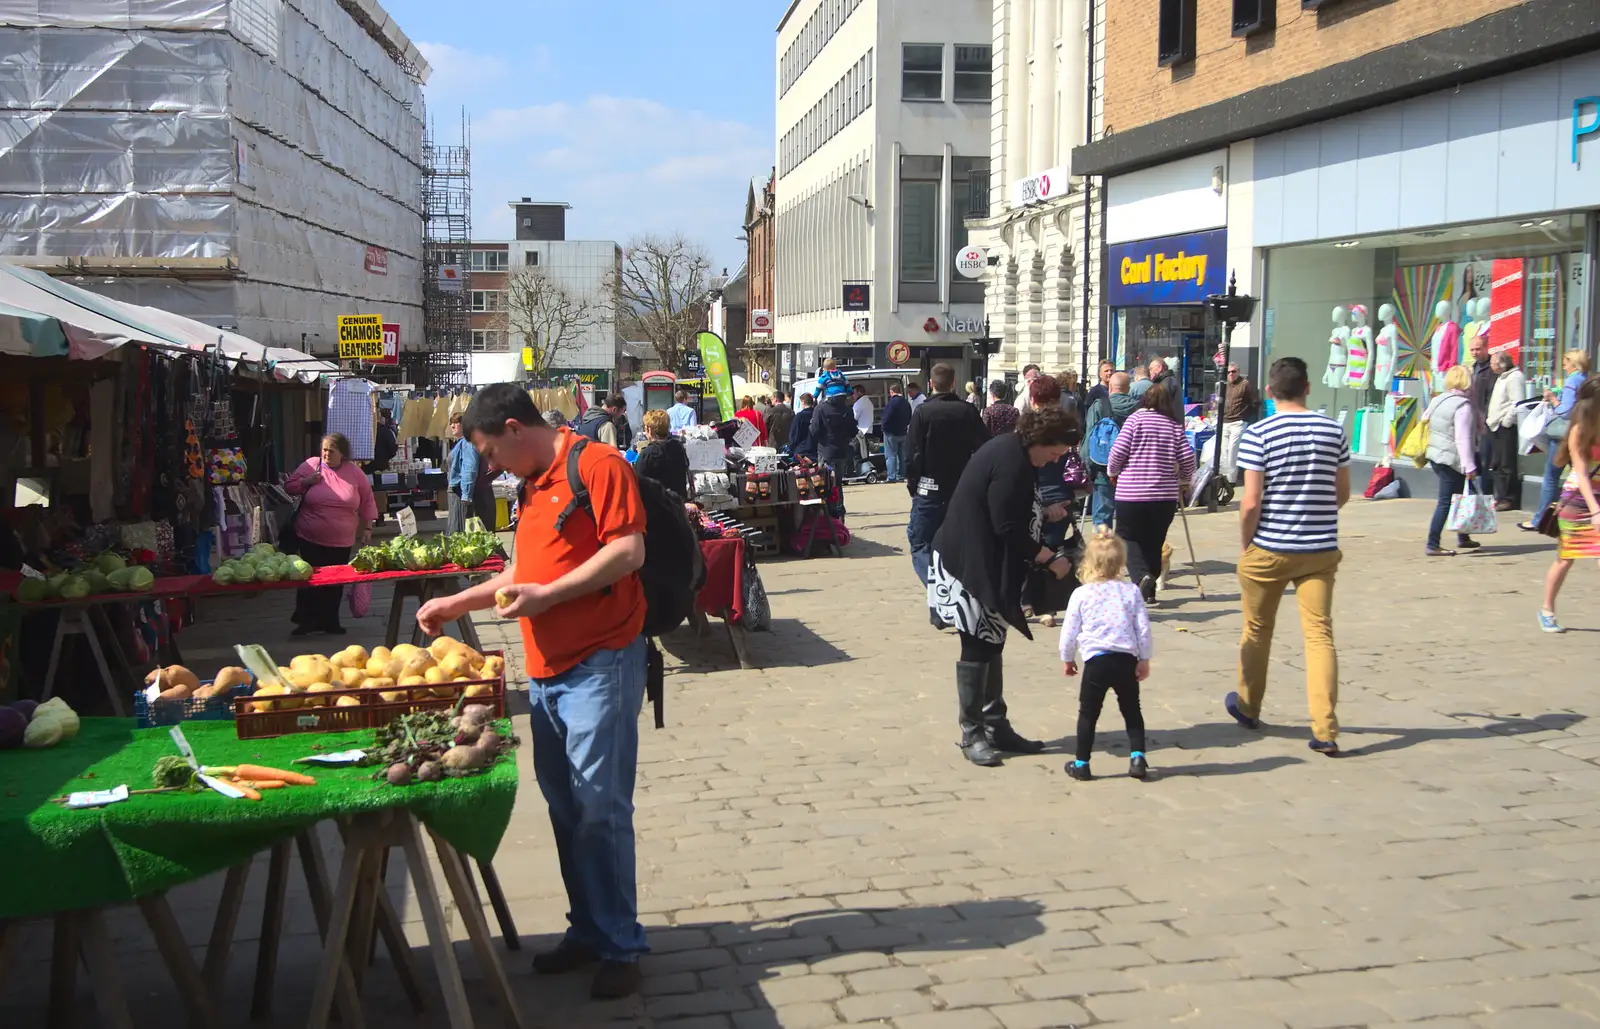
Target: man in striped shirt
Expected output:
[1296,468]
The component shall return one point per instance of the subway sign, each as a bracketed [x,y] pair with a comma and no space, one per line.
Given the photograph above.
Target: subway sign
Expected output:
[361,337]
[1170,270]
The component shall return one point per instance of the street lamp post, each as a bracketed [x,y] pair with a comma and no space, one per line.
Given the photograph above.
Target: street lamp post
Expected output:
[987,346]
[1230,309]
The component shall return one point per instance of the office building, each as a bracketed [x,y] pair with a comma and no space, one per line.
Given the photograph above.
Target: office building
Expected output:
[883,110]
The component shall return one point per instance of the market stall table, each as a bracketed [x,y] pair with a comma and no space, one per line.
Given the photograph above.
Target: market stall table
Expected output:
[85,615]
[81,861]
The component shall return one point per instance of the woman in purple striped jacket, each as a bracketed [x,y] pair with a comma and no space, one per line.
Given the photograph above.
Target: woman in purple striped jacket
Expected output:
[1151,466]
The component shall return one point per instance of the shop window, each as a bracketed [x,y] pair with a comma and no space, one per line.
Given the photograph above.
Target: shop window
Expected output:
[973,74]
[1175,32]
[1253,16]
[919,219]
[922,71]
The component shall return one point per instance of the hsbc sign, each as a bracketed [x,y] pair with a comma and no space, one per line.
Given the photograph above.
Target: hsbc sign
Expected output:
[1041,188]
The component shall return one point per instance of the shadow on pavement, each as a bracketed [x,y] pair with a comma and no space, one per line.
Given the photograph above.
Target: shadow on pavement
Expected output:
[789,644]
[735,961]
[1215,768]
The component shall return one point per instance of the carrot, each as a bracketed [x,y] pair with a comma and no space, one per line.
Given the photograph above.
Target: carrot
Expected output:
[251,773]
[266,784]
[249,793]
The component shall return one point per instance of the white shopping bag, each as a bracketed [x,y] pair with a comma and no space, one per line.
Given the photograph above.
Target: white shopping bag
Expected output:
[1532,418]
[1472,513]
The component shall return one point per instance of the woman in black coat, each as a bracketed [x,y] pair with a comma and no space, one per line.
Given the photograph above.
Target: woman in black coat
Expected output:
[980,561]
[663,456]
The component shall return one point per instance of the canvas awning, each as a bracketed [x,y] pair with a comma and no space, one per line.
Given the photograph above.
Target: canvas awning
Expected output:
[44,317]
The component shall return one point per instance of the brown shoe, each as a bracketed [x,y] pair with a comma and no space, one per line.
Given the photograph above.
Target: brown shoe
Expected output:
[1504,505]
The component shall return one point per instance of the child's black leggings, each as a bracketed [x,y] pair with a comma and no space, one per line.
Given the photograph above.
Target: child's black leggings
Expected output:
[1101,673]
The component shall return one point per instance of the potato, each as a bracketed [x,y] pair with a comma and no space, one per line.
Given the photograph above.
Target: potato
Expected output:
[347,701]
[381,653]
[350,678]
[473,657]
[377,666]
[343,659]
[418,664]
[435,675]
[267,691]
[312,699]
[444,645]
[456,665]
[460,759]
[405,651]
[394,668]
[358,654]
[480,689]
[377,682]
[42,732]
[174,675]
[494,667]
[228,678]
[411,680]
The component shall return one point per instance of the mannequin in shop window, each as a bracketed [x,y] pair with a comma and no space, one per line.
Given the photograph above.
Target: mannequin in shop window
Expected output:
[1358,357]
[1446,342]
[1384,350]
[1338,349]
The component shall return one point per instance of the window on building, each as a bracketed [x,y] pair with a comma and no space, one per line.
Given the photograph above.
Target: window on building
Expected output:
[964,171]
[1253,16]
[922,71]
[919,218]
[1175,32]
[531,258]
[488,341]
[487,300]
[490,260]
[973,74]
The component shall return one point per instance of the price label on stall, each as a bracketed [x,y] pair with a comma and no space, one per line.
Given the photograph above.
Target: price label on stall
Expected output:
[407,517]
[30,572]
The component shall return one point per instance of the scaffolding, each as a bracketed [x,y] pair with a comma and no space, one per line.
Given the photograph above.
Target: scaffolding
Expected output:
[447,264]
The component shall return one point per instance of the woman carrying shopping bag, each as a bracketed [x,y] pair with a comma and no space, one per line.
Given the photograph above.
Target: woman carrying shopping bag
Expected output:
[1452,451]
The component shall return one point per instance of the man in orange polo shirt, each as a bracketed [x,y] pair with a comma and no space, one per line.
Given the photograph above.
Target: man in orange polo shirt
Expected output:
[577,594]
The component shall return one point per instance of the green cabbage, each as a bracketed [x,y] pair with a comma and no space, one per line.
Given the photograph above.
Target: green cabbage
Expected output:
[244,571]
[32,591]
[372,559]
[422,555]
[268,573]
[108,562]
[300,570]
[264,548]
[98,583]
[141,579]
[75,587]
[223,576]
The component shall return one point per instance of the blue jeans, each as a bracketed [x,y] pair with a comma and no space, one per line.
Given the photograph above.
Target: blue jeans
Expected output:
[585,753]
[927,514]
[894,456]
[1103,505]
[1553,479]
[1451,482]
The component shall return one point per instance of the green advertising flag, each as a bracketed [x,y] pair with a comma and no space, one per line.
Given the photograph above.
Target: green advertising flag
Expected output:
[714,359]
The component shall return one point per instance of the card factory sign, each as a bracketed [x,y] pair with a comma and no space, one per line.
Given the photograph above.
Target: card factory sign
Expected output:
[1170,270]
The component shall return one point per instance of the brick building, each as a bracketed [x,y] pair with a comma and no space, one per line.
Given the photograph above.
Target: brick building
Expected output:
[1391,179]
[761,261]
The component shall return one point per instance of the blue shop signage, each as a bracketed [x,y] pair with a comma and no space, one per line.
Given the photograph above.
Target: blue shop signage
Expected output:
[1170,270]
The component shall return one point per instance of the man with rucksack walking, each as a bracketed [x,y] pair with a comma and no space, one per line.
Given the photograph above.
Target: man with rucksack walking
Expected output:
[580,585]
[1102,421]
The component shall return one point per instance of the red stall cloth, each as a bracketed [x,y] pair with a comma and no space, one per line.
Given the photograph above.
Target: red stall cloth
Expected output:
[724,588]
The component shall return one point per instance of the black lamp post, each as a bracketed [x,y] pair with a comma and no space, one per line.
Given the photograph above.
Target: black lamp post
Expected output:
[983,348]
[1230,309]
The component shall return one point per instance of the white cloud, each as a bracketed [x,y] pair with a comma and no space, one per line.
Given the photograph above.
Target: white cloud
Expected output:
[628,165]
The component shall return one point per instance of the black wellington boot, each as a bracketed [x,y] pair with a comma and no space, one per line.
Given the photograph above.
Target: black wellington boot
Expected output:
[998,727]
[971,681]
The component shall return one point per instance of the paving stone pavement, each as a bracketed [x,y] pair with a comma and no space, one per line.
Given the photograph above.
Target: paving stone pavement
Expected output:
[814,851]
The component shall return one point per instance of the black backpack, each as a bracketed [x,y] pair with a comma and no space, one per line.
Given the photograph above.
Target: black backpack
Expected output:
[673,569]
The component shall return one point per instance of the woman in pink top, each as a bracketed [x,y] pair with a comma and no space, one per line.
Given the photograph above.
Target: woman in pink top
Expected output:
[336,511]
[1151,465]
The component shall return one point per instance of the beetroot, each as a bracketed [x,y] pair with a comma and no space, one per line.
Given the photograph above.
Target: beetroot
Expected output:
[27,707]
[13,724]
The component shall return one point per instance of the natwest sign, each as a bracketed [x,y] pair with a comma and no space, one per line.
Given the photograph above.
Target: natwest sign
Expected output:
[1041,188]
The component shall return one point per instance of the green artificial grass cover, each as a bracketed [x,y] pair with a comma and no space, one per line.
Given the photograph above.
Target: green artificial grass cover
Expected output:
[58,860]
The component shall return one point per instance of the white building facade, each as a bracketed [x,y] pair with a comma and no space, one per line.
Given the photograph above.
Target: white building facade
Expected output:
[883,113]
[1043,298]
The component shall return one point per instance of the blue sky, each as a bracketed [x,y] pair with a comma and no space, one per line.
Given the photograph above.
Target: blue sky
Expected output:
[645,115]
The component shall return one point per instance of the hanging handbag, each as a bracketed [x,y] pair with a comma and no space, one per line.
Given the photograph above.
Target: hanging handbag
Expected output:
[1472,514]
[1549,521]
[1073,473]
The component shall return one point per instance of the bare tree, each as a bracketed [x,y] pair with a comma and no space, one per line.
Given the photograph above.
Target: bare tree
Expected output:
[663,293]
[550,318]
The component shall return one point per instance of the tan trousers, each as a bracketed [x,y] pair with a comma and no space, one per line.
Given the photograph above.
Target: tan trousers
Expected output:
[1263,576]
